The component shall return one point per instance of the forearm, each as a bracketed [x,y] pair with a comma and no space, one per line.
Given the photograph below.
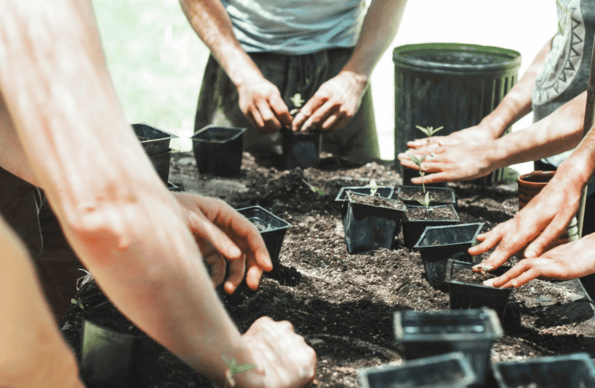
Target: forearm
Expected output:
[116,214]
[517,102]
[559,132]
[378,32]
[212,24]
[32,351]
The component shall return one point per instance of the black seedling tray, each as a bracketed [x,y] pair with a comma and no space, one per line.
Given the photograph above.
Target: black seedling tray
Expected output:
[469,296]
[451,201]
[450,370]
[574,370]
[218,150]
[157,142]
[472,332]
[301,149]
[438,244]
[274,228]
[413,229]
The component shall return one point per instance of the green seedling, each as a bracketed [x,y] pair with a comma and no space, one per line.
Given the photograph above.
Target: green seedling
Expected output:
[485,269]
[297,102]
[314,188]
[426,201]
[418,162]
[233,369]
[429,131]
[77,303]
[373,188]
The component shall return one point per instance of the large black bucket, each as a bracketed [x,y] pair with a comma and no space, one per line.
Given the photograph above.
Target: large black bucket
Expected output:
[450,85]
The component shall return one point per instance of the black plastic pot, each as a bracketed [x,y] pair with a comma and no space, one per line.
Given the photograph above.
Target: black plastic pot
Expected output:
[451,194]
[218,150]
[272,228]
[413,229]
[469,296]
[574,370]
[369,227]
[161,163]
[454,85]
[448,370]
[341,198]
[438,244]
[110,359]
[471,332]
[301,149]
[409,173]
[157,140]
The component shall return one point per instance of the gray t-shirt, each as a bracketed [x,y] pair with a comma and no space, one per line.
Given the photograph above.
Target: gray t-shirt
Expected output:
[294,27]
[565,74]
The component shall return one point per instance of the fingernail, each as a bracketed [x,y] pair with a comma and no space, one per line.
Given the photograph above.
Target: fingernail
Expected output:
[234,251]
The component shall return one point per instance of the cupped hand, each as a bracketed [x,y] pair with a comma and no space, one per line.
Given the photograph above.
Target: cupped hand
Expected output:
[334,103]
[283,358]
[450,163]
[568,261]
[224,234]
[261,102]
[537,226]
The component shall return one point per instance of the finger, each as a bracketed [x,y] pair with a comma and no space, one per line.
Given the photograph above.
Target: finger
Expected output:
[522,279]
[307,110]
[217,264]
[203,229]
[489,240]
[253,276]
[549,236]
[330,123]
[237,269]
[508,276]
[319,116]
[280,110]
[432,178]
[271,123]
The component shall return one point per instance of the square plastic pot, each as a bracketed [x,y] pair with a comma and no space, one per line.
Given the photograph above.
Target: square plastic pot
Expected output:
[450,201]
[438,244]
[469,296]
[157,141]
[218,150]
[301,149]
[413,229]
[449,370]
[574,370]
[272,228]
[471,332]
[110,359]
[369,227]
[409,173]
[161,163]
[341,198]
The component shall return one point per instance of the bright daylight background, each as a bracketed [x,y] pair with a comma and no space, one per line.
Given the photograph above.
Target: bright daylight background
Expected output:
[156,60]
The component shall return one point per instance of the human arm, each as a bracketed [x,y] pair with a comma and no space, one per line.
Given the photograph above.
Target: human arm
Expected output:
[116,214]
[260,100]
[560,131]
[338,99]
[514,106]
[32,351]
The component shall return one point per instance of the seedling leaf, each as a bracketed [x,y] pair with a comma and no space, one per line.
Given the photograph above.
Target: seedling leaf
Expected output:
[314,188]
[429,131]
[297,100]
[426,201]
[373,187]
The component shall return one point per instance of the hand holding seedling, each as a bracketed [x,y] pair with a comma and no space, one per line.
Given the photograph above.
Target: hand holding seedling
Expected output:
[333,105]
[260,101]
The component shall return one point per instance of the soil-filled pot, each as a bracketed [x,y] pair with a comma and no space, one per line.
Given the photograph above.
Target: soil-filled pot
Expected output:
[154,141]
[574,370]
[218,150]
[530,185]
[113,359]
[301,149]
[438,244]
[409,173]
[417,218]
[371,222]
[272,228]
[467,290]
[447,370]
[439,195]
[341,198]
[471,332]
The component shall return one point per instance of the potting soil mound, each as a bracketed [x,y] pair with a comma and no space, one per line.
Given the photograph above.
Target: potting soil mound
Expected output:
[343,304]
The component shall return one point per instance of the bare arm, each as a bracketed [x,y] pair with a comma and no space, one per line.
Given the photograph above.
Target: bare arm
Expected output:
[338,99]
[116,214]
[260,100]
[32,351]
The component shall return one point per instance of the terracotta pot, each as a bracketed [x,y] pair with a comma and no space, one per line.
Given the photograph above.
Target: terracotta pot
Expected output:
[529,186]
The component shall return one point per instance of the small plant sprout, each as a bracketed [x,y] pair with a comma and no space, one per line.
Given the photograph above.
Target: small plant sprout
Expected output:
[426,201]
[485,269]
[77,303]
[314,188]
[373,188]
[418,162]
[297,102]
[233,369]
[429,131]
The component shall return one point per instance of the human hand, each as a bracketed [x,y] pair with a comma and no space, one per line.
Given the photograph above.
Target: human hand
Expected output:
[449,163]
[568,261]
[333,105]
[538,224]
[477,133]
[222,233]
[283,357]
[261,102]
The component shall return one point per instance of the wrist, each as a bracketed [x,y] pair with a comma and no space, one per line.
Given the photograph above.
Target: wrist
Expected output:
[575,171]
[494,125]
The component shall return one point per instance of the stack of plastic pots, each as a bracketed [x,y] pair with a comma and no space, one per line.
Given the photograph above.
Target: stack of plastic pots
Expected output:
[156,143]
[452,85]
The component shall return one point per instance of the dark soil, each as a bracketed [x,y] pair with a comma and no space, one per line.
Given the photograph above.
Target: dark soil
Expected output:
[435,213]
[416,194]
[142,138]
[376,201]
[466,275]
[343,304]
